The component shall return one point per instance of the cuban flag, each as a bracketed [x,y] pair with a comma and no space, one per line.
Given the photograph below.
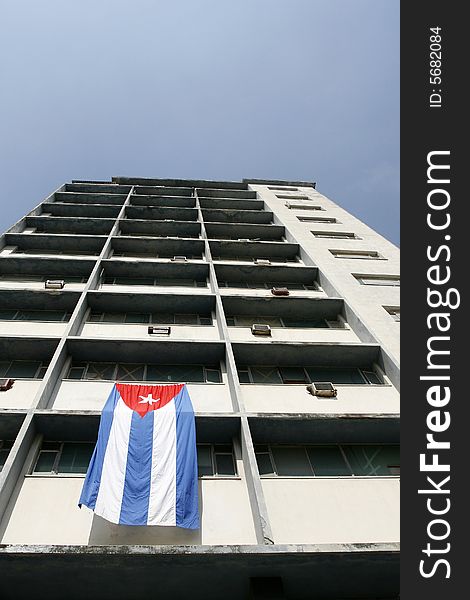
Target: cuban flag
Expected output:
[143,470]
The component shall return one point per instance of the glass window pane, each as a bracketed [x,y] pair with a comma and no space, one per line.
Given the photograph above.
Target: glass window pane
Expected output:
[130,372]
[213,375]
[4,366]
[136,318]
[75,457]
[186,320]
[99,371]
[293,374]
[243,375]
[204,460]
[230,321]
[163,318]
[372,377]
[225,464]
[327,461]
[175,373]
[265,466]
[76,373]
[304,323]
[372,460]
[7,315]
[40,315]
[291,461]
[345,375]
[112,317]
[23,368]
[95,317]
[265,375]
[45,462]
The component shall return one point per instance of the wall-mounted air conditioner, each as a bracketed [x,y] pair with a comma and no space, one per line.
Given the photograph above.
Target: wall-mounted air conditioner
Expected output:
[54,284]
[259,329]
[158,330]
[322,389]
[179,258]
[262,261]
[279,291]
[6,384]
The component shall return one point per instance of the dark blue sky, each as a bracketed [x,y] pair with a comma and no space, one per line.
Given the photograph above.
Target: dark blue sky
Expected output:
[210,89]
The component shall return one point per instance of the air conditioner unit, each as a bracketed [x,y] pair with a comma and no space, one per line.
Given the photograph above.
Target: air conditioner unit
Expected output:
[322,389]
[6,384]
[259,329]
[54,284]
[158,330]
[179,259]
[243,240]
[279,291]
[262,261]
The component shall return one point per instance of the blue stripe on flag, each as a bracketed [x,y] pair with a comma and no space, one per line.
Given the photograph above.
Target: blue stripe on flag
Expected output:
[187,511]
[92,482]
[135,499]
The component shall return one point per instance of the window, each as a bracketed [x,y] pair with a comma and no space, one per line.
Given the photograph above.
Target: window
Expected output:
[157,318]
[318,219]
[388,280]
[23,369]
[335,235]
[131,372]
[5,447]
[273,259]
[56,458]
[305,375]
[154,255]
[292,197]
[41,251]
[216,460]
[153,281]
[272,321]
[328,460]
[357,254]
[293,206]
[34,315]
[394,312]
[39,278]
[283,188]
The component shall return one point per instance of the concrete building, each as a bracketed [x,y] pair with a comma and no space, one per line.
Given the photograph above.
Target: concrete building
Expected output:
[253,293]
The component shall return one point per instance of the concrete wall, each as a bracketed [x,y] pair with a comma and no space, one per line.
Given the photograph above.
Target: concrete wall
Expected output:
[36,285]
[178,332]
[32,328]
[92,395]
[351,399]
[333,510]
[21,395]
[148,289]
[367,301]
[285,334]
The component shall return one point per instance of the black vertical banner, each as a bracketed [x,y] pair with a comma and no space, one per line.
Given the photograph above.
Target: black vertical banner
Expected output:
[435,227]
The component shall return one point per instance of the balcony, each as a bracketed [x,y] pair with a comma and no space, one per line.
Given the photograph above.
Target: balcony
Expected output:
[245,232]
[94,211]
[16,272]
[161,214]
[237,216]
[281,252]
[128,316]
[20,244]
[95,364]
[75,225]
[290,319]
[97,188]
[157,249]
[163,201]
[90,198]
[140,228]
[119,275]
[278,382]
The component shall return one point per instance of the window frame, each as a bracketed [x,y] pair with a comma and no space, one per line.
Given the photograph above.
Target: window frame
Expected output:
[247,370]
[54,472]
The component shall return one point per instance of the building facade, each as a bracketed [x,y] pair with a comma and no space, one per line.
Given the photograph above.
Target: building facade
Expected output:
[280,311]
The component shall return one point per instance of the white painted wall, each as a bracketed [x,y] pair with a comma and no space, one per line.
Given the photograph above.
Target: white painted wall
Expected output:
[332,510]
[32,328]
[21,395]
[36,285]
[128,330]
[351,399]
[285,334]
[92,395]
[46,512]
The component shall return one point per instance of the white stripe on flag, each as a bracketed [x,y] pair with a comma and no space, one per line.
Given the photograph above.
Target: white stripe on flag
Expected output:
[162,502]
[108,502]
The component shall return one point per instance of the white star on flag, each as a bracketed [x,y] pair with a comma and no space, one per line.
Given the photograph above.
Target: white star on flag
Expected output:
[148,400]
